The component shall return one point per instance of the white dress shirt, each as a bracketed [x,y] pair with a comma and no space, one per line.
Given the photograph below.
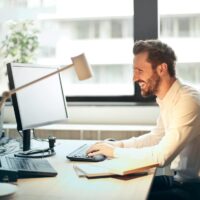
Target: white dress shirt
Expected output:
[176,137]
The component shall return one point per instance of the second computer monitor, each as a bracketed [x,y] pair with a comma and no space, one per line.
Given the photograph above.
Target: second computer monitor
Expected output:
[40,104]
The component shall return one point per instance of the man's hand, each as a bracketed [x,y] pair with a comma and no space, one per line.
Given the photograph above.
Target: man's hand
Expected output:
[104,148]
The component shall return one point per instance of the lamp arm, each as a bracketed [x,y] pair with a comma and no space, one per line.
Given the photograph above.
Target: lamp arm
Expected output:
[6,95]
[39,79]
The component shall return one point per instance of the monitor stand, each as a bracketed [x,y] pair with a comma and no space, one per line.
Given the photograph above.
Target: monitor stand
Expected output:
[35,153]
[7,189]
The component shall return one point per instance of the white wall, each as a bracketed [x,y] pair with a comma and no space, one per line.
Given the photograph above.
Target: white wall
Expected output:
[129,114]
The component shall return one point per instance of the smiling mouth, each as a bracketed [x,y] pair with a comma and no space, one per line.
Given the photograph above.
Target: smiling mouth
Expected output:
[141,84]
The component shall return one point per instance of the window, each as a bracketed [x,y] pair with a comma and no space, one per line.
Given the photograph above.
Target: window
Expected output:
[103,30]
[180,28]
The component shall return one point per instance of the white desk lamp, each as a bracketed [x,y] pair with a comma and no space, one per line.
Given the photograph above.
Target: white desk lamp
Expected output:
[82,68]
[83,71]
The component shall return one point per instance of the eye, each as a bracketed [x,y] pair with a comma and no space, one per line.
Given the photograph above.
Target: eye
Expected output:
[138,71]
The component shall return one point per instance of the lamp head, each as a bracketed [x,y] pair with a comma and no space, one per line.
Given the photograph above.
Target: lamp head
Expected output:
[82,67]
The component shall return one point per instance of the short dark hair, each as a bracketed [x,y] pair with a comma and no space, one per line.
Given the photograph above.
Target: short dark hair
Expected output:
[158,53]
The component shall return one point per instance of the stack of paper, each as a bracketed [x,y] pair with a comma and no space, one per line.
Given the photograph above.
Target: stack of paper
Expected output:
[91,170]
[116,166]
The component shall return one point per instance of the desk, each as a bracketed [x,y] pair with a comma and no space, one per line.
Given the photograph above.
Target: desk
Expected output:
[68,186]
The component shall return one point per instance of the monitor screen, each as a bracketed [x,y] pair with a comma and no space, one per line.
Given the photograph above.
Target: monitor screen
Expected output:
[39,104]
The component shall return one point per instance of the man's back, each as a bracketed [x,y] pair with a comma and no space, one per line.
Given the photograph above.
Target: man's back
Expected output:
[184,118]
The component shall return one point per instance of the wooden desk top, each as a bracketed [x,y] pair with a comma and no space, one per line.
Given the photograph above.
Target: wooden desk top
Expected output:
[68,186]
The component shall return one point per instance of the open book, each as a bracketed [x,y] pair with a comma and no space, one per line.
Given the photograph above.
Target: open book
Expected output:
[116,166]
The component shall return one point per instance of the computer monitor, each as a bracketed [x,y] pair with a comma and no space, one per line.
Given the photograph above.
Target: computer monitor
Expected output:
[37,105]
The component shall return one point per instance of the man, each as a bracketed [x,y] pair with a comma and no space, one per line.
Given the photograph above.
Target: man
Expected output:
[176,137]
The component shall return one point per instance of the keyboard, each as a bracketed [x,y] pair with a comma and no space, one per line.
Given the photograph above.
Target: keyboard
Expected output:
[28,167]
[80,154]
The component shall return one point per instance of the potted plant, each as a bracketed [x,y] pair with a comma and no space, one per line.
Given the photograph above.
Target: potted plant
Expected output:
[21,41]
[19,45]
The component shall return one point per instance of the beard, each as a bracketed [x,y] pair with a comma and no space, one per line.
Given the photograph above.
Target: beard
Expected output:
[151,85]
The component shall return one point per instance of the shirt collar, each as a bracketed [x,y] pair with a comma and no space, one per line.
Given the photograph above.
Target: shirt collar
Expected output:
[170,93]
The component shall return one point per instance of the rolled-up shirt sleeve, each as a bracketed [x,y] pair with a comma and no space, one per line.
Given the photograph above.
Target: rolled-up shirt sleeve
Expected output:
[181,127]
[148,139]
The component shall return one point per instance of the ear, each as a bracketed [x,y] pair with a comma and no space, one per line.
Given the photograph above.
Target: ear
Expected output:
[162,69]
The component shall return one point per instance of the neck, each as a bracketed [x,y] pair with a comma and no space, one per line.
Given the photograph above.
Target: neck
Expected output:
[165,85]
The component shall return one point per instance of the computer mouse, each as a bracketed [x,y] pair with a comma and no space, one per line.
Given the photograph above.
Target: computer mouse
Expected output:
[99,157]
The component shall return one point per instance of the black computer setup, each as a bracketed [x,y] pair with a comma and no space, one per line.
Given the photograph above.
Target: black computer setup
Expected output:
[38,105]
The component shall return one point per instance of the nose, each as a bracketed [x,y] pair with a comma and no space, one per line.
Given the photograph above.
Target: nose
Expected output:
[135,76]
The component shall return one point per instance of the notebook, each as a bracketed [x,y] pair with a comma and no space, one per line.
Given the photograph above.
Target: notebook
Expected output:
[115,166]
